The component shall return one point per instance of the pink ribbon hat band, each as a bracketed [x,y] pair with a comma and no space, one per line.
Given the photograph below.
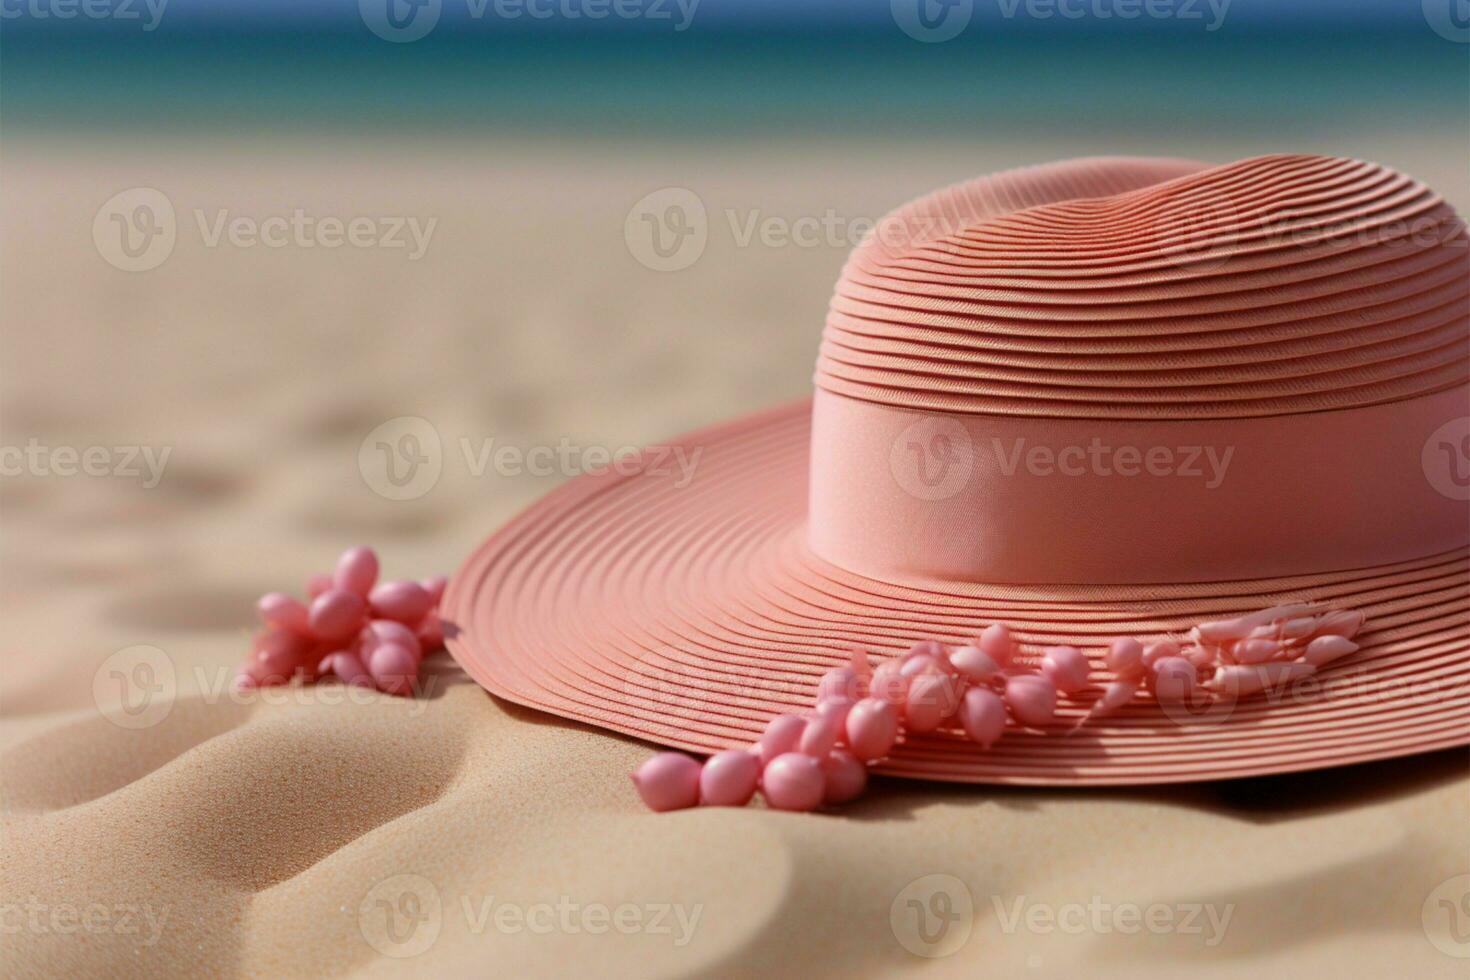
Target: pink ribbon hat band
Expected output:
[1090,399]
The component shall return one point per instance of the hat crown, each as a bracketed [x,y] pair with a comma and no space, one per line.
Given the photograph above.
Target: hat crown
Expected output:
[1159,289]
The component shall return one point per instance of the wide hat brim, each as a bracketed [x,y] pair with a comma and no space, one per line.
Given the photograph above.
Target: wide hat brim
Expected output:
[687,610]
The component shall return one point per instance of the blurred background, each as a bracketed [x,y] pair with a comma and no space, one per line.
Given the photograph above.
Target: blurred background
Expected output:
[290,271]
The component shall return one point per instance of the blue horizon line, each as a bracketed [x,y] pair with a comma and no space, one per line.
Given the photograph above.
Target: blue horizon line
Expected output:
[742,16]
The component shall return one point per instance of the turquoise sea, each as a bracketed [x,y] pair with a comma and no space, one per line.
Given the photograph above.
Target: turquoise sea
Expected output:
[802,78]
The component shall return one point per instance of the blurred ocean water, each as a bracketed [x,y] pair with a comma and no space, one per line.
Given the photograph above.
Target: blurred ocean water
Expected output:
[854,69]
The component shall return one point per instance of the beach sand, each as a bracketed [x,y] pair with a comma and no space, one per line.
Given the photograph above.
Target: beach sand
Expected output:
[191,832]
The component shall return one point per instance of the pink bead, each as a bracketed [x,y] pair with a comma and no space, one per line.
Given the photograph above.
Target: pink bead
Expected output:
[1327,648]
[996,642]
[281,652]
[1157,651]
[346,665]
[1255,651]
[668,781]
[1125,657]
[434,585]
[926,648]
[253,673]
[1343,622]
[1032,699]
[729,778]
[860,664]
[1199,656]
[1115,694]
[430,633]
[380,631]
[1239,680]
[394,668]
[1291,629]
[357,570]
[982,715]
[1225,630]
[845,777]
[336,614]
[819,736]
[793,782]
[1066,667]
[835,708]
[280,609]
[872,728]
[889,683]
[932,698]
[839,682]
[914,664]
[974,664]
[1173,680]
[317,584]
[781,736]
[406,602]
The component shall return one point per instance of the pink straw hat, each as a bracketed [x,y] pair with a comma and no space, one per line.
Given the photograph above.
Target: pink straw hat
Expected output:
[1095,398]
